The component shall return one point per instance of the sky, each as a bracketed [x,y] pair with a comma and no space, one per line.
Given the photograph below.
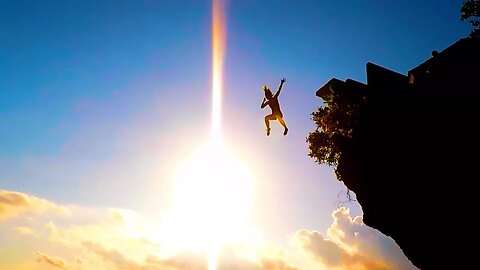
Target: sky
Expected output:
[101,102]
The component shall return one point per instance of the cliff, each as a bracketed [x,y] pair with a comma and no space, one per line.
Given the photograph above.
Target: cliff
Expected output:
[415,152]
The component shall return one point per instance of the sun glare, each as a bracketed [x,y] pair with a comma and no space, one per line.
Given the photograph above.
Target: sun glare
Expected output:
[213,191]
[212,197]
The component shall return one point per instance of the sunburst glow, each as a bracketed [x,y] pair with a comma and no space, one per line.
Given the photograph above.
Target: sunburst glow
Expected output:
[212,198]
[213,190]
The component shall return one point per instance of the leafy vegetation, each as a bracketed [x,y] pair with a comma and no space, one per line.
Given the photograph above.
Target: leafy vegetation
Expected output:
[471,11]
[336,123]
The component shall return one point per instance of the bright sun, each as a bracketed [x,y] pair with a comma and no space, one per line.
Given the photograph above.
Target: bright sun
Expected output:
[212,197]
[213,191]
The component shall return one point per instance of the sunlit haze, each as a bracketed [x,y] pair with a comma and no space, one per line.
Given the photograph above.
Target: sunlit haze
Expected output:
[131,133]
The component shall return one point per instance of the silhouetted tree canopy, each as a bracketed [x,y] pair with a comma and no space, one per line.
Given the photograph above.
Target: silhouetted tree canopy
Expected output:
[336,122]
[471,11]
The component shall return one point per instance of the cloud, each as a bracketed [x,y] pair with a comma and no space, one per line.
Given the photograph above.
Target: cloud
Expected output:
[274,264]
[350,244]
[53,261]
[112,229]
[14,204]
[181,261]
[184,261]
[322,249]
[112,256]
[24,230]
[119,239]
[229,260]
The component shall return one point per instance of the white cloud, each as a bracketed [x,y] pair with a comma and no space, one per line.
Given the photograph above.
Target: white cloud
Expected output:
[350,244]
[14,204]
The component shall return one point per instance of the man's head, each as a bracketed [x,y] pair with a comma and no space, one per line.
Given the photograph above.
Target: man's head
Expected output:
[268,92]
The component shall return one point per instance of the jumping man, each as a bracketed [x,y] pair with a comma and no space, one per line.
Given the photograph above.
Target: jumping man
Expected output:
[272,101]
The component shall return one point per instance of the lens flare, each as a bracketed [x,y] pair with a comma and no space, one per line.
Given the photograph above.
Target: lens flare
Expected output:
[213,190]
[218,53]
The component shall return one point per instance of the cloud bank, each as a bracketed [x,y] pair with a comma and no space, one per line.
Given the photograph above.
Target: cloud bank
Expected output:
[113,241]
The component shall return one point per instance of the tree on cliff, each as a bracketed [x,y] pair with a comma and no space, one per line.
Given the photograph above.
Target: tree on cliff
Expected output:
[336,122]
[471,11]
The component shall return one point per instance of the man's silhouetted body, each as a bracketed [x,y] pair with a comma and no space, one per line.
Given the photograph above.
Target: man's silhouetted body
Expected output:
[272,101]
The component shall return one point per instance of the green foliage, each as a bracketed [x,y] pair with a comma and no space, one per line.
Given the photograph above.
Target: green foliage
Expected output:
[471,11]
[336,123]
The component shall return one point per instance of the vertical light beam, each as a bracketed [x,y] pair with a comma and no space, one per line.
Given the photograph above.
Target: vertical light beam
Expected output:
[218,52]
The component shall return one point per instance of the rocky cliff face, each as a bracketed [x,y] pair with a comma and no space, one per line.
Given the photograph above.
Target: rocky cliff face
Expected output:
[417,152]
[416,169]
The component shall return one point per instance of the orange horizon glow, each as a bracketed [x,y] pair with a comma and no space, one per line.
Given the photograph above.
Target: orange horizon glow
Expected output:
[218,53]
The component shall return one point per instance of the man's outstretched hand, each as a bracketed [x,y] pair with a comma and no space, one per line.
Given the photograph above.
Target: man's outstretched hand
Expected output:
[283,80]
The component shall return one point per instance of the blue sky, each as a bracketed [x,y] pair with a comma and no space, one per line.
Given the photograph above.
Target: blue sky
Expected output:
[99,100]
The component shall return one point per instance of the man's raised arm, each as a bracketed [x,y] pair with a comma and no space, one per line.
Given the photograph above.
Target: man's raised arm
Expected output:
[282,81]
